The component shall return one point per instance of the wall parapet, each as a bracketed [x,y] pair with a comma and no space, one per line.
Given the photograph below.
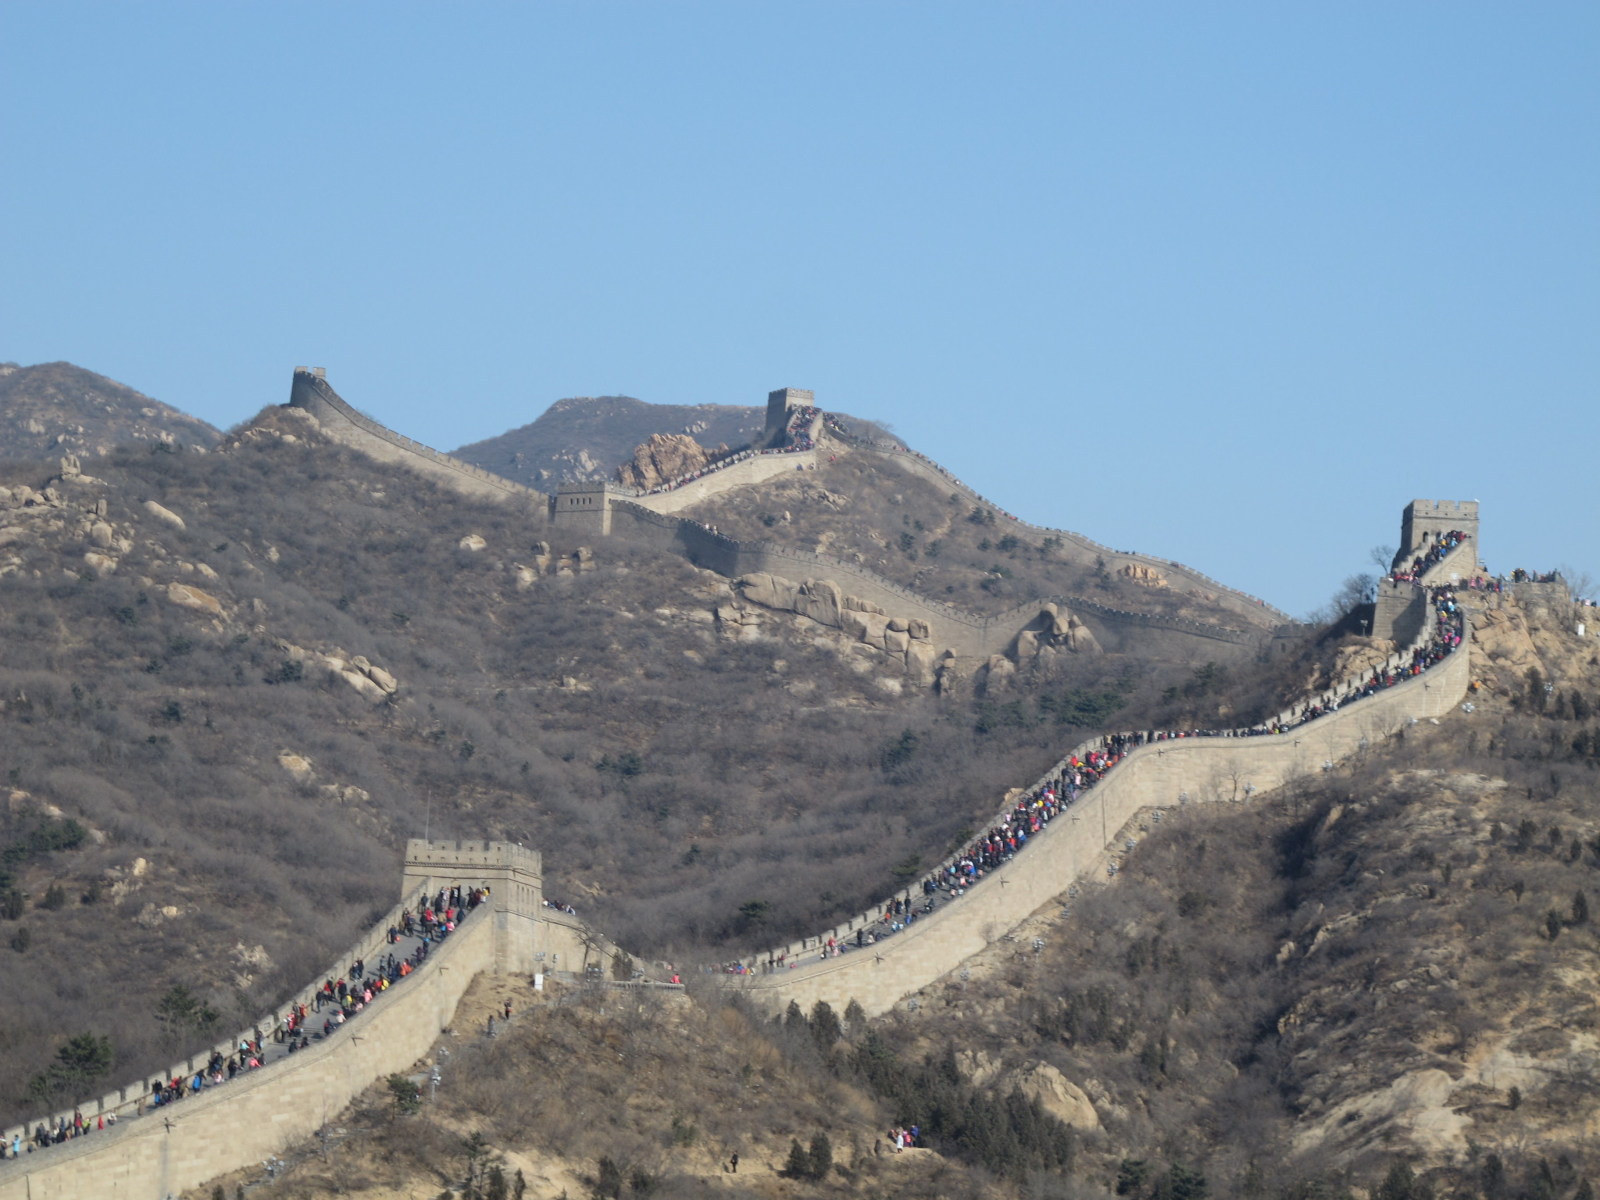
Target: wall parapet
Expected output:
[312,393]
[989,633]
[1159,774]
[261,1112]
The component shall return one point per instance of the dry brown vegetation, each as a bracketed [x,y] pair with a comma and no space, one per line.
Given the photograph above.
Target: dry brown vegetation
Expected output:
[864,509]
[670,776]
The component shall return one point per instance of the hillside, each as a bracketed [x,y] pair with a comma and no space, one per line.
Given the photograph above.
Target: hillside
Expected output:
[587,438]
[55,409]
[930,537]
[1376,983]
[235,682]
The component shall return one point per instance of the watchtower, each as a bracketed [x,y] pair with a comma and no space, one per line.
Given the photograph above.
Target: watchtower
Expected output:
[779,405]
[583,507]
[515,879]
[1425,521]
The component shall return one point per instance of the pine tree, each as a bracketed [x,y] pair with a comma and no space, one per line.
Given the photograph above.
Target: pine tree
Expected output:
[799,1164]
[825,1025]
[821,1156]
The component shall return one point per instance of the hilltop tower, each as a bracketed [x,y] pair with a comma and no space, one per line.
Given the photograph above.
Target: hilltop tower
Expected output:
[584,507]
[1401,607]
[1425,521]
[514,876]
[779,405]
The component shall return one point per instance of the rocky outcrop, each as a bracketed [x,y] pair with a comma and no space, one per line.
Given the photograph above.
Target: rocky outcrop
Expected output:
[1139,573]
[1054,632]
[543,563]
[373,682]
[1038,1081]
[665,457]
[908,641]
[194,599]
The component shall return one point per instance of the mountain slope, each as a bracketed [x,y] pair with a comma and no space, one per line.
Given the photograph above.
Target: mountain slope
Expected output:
[245,677]
[588,437]
[58,408]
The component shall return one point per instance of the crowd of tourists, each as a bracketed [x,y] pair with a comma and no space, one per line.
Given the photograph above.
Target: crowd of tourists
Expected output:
[1435,553]
[1079,773]
[336,1002]
[797,437]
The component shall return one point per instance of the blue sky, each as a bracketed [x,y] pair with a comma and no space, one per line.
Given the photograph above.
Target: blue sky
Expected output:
[1225,283]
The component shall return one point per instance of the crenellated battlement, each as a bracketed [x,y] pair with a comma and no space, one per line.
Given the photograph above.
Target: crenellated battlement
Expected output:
[1425,521]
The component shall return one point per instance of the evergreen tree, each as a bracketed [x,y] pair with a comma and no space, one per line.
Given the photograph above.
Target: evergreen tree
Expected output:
[821,1156]
[825,1025]
[799,1164]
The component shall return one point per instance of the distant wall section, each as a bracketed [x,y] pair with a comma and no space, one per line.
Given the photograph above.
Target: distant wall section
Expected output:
[970,635]
[311,392]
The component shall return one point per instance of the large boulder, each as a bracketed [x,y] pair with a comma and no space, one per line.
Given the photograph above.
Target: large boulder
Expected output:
[193,598]
[921,661]
[665,457]
[1080,638]
[868,627]
[164,514]
[1057,1095]
[1027,647]
[821,600]
[770,591]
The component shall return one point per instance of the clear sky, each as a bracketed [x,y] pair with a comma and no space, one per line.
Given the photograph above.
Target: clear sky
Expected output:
[1225,283]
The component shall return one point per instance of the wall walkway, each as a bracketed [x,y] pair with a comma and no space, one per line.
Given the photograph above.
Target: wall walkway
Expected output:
[261,1113]
[1157,775]
[971,635]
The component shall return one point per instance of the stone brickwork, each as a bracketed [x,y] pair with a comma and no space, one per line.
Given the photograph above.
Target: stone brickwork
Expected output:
[515,879]
[779,404]
[1161,775]
[592,509]
[264,1112]
[1424,521]
[311,392]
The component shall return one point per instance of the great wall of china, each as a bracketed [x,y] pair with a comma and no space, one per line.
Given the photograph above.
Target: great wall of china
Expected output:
[598,508]
[154,1155]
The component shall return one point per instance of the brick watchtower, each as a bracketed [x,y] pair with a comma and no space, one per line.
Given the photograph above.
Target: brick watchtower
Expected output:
[514,876]
[779,404]
[1425,521]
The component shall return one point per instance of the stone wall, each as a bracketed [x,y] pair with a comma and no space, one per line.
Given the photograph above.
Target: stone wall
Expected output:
[264,1112]
[343,423]
[594,508]
[746,471]
[515,878]
[970,635]
[1424,521]
[1159,775]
